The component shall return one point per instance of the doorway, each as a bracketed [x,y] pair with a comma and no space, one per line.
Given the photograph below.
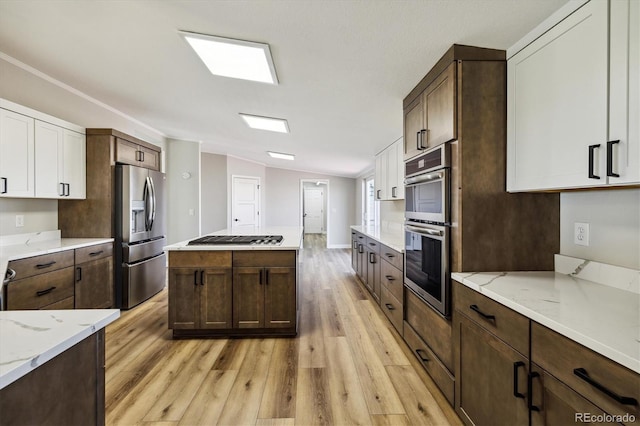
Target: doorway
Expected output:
[245,205]
[314,207]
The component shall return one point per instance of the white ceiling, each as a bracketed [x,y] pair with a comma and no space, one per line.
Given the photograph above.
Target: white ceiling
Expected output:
[344,66]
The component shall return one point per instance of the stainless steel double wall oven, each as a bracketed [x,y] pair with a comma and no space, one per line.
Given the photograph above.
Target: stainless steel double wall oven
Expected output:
[427,226]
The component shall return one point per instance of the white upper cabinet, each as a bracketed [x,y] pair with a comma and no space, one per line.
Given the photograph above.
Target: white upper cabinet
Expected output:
[16,155]
[40,156]
[570,97]
[389,174]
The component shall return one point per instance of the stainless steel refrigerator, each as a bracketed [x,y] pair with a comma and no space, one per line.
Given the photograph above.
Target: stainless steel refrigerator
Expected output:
[140,235]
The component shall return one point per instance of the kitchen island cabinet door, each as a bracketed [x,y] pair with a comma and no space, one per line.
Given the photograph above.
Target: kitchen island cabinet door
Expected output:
[184,298]
[248,297]
[280,297]
[94,284]
[216,298]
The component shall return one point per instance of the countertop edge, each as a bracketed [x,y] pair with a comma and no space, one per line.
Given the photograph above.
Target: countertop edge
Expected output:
[378,238]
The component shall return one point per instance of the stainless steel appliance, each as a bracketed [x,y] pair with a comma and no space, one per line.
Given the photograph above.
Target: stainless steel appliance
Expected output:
[252,240]
[140,235]
[427,193]
[426,270]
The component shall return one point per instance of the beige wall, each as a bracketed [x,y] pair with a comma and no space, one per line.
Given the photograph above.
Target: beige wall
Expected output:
[183,193]
[213,192]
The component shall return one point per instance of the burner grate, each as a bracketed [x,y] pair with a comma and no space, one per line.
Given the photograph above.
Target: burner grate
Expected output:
[212,240]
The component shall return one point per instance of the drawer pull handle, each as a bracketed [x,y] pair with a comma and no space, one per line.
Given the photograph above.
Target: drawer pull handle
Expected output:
[96,253]
[45,265]
[423,358]
[390,277]
[389,306]
[626,400]
[372,244]
[389,255]
[43,292]
[530,391]
[195,277]
[78,274]
[485,316]
[516,366]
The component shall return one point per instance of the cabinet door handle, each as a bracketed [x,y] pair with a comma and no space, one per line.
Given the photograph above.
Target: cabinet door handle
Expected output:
[266,277]
[592,149]
[482,314]
[423,132]
[45,265]
[610,158]
[96,253]
[4,185]
[43,292]
[142,156]
[61,192]
[372,258]
[530,378]
[625,400]
[360,248]
[260,277]
[423,358]
[393,191]
[516,366]
[389,278]
[68,189]
[389,306]
[78,274]
[355,245]
[418,144]
[378,194]
[195,277]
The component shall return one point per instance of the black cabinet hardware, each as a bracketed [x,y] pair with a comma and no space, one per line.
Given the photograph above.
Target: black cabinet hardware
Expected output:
[389,306]
[4,185]
[625,400]
[422,133]
[78,274]
[360,248]
[610,145]
[592,149]
[372,258]
[195,278]
[355,245]
[482,314]
[516,366]
[141,155]
[423,358]
[202,277]
[393,192]
[372,244]
[418,144]
[530,391]
[260,281]
[45,265]
[96,253]
[389,278]
[389,255]
[378,194]
[61,192]
[43,292]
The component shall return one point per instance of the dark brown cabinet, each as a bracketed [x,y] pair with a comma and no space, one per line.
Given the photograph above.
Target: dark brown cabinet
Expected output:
[137,154]
[373,268]
[94,277]
[391,288]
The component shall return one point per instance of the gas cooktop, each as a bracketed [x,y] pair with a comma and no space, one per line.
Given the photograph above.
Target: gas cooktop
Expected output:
[239,240]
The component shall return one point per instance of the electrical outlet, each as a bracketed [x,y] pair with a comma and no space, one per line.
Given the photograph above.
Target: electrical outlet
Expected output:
[581,233]
[19,221]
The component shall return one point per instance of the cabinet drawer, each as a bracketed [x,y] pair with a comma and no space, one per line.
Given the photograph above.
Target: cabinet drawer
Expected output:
[67,303]
[506,324]
[430,362]
[391,278]
[41,264]
[200,259]
[96,252]
[561,357]
[430,326]
[42,290]
[393,257]
[373,245]
[265,258]
[150,158]
[392,308]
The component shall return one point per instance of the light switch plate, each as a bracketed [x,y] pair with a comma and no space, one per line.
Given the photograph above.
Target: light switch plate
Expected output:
[19,221]
[581,233]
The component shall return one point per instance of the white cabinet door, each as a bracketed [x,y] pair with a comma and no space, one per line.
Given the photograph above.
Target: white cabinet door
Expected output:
[16,155]
[391,155]
[399,147]
[624,94]
[74,171]
[380,176]
[49,145]
[557,105]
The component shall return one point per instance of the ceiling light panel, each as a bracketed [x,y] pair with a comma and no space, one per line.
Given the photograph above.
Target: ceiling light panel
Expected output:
[227,57]
[266,123]
[281,155]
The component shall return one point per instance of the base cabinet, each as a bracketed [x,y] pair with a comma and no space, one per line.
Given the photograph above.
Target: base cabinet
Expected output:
[94,277]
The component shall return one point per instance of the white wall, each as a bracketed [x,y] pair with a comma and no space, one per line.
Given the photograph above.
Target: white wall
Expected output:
[213,192]
[283,203]
[183,195]
[614,219]
[37,91]
[239,167]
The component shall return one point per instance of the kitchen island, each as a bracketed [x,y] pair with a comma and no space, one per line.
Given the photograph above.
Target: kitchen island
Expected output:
[52,366]
[235,288]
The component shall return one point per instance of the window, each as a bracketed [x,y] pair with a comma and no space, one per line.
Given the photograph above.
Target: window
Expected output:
[370,208]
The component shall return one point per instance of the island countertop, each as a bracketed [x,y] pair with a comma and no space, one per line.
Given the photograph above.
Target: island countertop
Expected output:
[292,239]
[28,339]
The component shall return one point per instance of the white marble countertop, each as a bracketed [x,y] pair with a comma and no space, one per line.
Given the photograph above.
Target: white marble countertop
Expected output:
[391,237]
[292,239]
[15,247]
[28,339]
[604,318]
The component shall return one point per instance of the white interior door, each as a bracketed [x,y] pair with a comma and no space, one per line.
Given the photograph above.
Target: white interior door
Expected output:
[313,210]
[245,208]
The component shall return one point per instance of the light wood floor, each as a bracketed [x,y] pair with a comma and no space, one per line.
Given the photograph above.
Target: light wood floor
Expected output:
[347,365]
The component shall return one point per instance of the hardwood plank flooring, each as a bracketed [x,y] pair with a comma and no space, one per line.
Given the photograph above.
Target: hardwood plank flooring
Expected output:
[347,365]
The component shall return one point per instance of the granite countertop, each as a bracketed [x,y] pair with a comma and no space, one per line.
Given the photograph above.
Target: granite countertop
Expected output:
[31,338]
[292,239]
[570,301]
[21,246]
[390,236]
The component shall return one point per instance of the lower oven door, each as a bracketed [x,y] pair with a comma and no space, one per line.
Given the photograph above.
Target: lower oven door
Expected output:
[427,264]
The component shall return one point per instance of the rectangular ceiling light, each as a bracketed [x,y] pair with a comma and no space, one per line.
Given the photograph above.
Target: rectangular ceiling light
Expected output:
[234,58]
[281,156]
[266,123]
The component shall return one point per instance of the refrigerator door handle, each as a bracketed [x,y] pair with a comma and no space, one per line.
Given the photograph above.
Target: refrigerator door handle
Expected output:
[153,202]
[148,199]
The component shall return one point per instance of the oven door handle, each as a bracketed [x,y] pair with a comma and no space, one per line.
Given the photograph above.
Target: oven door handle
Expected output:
[427,177]
[423,231]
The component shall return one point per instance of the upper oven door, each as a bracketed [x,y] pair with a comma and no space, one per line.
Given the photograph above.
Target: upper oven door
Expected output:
[427,197]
